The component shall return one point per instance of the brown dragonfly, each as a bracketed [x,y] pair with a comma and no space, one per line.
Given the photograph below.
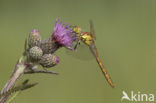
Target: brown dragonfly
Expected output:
[88,38]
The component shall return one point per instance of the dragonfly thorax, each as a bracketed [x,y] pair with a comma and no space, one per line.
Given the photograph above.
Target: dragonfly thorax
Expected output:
[87,38]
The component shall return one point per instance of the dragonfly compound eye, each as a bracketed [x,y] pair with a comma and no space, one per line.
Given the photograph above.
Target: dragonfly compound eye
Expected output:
[77,29]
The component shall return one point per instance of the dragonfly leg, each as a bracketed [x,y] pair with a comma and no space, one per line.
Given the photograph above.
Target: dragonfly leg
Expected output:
[70,48]
[75,47]
[78,43]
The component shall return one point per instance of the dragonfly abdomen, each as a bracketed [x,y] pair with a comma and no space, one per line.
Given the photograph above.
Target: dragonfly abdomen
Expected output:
[104,71]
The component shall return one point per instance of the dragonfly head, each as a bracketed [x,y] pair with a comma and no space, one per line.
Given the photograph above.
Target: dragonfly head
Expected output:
[77,29]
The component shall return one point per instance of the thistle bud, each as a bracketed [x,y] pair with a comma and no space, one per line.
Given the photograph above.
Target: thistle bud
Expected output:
[49,60]
[34,38]
[35,53]
[49,46]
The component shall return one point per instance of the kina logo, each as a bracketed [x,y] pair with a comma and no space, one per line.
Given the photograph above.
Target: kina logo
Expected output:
[137,96]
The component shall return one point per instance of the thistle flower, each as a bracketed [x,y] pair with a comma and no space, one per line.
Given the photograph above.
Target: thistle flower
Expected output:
[49,60]
[35,53]
[63,34]
[34,38]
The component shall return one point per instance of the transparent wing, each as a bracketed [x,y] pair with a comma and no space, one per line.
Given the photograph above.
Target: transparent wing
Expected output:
[82,53]
[92,31]
[95,53]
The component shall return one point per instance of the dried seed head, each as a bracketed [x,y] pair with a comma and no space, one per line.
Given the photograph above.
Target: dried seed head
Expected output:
[49,60]
[34,38]
[35,53]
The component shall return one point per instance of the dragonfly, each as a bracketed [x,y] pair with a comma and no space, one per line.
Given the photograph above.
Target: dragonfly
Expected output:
[89,38]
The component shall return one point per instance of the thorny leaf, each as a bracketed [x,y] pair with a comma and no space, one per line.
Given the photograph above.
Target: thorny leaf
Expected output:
[21,87]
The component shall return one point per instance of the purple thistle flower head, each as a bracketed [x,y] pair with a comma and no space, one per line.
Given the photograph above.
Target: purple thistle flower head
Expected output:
[63,34]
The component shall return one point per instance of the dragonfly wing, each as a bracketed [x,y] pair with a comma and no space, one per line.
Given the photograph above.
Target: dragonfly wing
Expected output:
[95,53]
[92,31]
[93,49]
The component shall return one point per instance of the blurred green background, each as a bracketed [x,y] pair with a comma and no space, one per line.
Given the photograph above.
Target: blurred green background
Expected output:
[125,38]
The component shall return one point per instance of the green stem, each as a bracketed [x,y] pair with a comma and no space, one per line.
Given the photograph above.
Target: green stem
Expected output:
[17,73]
[13,97]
